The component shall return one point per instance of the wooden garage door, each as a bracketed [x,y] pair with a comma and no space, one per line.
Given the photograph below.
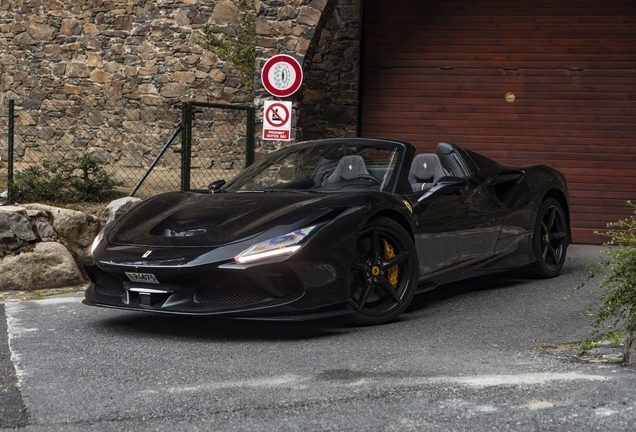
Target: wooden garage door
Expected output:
[439,70]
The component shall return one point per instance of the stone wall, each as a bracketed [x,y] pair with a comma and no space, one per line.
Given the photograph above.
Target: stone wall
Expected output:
[104,75]
[331,94]
[324,36]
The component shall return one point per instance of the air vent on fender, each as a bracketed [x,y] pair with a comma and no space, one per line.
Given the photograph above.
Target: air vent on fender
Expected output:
[504,185]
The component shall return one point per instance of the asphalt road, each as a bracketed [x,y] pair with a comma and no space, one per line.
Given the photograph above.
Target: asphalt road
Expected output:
[465,357]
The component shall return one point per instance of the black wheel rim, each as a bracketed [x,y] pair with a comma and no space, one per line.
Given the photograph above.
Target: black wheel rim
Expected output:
[372,291]
[553,237]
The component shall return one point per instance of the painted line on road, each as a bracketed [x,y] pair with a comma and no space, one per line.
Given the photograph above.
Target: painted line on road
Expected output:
[16,329]
[279,381]
[13,413]
[296,381]
[519,379]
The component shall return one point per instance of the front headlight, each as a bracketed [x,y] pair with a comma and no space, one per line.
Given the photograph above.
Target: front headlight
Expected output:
[96,242]
[284,245]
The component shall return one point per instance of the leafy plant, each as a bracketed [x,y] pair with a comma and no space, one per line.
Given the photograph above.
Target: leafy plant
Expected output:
[235,43]
[617,303]
[73,178]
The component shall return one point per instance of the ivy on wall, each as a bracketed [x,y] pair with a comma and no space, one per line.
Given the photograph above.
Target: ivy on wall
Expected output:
[235,43]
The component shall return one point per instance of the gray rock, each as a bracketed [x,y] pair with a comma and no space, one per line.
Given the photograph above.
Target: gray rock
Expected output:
[15,225]
[10,243]
[37,214]
[13,209]
[44,230]
[225,12]
[120,206]
[74,226]
[46,265]
[629,347]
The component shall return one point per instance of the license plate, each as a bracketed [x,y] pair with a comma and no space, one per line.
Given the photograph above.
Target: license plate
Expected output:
[142,277]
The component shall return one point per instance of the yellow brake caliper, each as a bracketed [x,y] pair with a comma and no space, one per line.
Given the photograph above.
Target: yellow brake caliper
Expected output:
[392,273]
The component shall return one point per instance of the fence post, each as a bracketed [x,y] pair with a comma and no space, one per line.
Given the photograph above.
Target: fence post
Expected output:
[249,144]
[10,153]
[186,145]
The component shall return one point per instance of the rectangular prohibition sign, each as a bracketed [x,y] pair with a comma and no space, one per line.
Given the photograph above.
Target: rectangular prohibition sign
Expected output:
[277,120]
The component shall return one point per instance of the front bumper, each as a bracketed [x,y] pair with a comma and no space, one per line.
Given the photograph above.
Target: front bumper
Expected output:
[275,290]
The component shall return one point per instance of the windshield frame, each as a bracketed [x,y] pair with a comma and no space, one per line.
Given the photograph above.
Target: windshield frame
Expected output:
[399,151]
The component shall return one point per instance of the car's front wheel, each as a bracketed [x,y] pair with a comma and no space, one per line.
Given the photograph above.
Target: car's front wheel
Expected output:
[384,272]
[550,239]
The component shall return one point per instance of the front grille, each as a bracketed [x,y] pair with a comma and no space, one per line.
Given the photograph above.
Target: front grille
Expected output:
[227,290]
[108,285]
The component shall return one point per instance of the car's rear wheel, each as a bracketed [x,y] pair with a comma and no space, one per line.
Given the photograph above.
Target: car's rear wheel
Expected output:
[550,239]
[383,272]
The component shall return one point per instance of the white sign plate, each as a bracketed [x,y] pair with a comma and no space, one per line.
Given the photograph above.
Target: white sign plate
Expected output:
[277,121]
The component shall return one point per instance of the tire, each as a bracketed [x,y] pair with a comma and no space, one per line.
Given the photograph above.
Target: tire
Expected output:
[550,239]
[384,273]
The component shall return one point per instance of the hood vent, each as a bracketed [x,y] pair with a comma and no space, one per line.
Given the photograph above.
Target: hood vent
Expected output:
[169,228]
[167,232]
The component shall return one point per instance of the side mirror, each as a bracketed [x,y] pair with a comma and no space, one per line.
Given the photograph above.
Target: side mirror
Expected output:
[215,186]
[445,186]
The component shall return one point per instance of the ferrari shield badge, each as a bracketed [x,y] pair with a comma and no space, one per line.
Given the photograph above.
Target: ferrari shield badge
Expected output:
[408,206]
[146,254]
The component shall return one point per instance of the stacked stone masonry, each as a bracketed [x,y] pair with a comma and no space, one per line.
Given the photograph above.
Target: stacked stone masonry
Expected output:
[324,36]
[104,75]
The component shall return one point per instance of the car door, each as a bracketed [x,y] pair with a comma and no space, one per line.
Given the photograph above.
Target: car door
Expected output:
[458,224]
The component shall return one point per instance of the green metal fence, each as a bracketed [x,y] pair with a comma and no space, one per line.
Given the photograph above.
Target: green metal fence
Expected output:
[217,142]
[6,135]
[150,149]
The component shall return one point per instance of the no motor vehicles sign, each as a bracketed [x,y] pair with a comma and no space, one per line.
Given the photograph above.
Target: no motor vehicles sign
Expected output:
[277,121]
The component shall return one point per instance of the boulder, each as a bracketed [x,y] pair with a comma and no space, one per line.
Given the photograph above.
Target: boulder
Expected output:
[15,232]
[40,266]
[74,226]
[120,206]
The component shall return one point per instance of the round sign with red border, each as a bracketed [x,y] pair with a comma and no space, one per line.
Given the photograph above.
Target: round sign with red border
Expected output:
[282,75]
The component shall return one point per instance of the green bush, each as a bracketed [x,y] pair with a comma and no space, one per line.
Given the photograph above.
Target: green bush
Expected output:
[73,178]
[617,303]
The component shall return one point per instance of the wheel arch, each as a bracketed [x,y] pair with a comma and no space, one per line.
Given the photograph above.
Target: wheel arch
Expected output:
[562,199]
[397,217]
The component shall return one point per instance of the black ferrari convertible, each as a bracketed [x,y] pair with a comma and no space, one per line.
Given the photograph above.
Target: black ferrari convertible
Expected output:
[330,227]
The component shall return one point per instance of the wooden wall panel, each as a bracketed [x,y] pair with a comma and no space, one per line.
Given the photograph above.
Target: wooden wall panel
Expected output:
[438,70]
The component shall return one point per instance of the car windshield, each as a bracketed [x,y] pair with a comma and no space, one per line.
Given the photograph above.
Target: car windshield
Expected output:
[324,167]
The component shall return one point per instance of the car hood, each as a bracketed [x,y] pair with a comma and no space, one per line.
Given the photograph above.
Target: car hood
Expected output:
[192,219]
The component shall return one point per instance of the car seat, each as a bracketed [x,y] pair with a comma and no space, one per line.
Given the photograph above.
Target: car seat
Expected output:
[426,170]
[349,167]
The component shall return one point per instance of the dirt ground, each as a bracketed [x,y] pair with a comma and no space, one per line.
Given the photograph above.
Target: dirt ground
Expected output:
[9,296]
